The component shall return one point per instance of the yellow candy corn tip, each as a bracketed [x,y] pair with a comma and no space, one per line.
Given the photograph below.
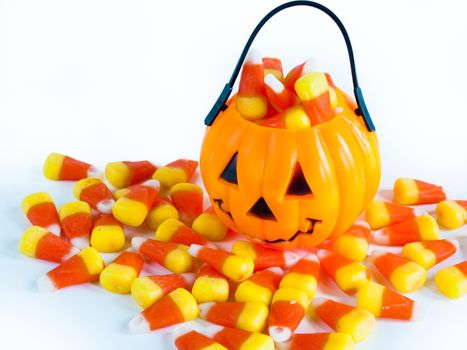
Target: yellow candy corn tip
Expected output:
[451,282]
[117,278]
[351,247]
[209,226]
[166,229]
[34,199]
[405,191]
[158,215]
[117,173]
[429,229]
[170,176]
[129,212]
[108,238]
[450,214]
[251,107]
[71,208]
[206,289]
[311,85]
[296,118]
[377,215]
[53,166]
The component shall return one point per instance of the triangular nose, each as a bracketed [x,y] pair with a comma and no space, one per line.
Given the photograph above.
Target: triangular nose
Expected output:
[262,210]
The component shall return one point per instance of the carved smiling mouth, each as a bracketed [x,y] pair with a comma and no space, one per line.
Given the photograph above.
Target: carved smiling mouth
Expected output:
[310,230]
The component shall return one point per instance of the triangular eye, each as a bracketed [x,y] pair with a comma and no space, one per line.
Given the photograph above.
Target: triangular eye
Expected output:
[230,172]
[262,210]
[298,185]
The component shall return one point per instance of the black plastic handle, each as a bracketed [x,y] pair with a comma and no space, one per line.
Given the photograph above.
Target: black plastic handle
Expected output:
[220,104]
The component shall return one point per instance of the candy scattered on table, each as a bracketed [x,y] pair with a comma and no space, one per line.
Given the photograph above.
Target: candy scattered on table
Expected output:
[249,296]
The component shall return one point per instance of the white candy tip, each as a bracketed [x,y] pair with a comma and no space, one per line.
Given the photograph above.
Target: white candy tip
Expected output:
[211,330]
[317,302]
[254,57]
[189,278]
[55,229]
[290,259]
[105,206]
[152,183]
[136,242]
[204,309]
[80,242]
[338,110]
[323,253]
[311,257]
[73,251]
[194,250]
[45,284]
[94,172]
[418,314]
[377,253]
[180,331]
[362,223]
[275,84]
[280,334]
[309,66]
[381,237]
[276,270]
[419,212]
[139,325]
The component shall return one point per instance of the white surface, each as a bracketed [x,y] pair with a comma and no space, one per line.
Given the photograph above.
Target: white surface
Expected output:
[112,80]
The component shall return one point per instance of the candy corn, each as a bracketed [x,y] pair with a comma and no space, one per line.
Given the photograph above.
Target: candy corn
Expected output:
[172,256]
[385,303]
[296,73]
[40,210]
[405,275]
[209,226]
[277,94]
[452,280]
[260,287]
[411,192]
[380,214]
[428,253]
[452,214]
[353,243]
[354,321]
[188,199]
[176,307]
[318,341]
[192,340]
[149,289]
[176,172]
[80,268]
[76,222]
[172,230]
[349,276]
[247,316]
[251,101]
[237,339]
[313,91]
[162,210]
[133,207]
[118,275]
[94,192]
[125,173]
[265,257]
[60,167]
[107,236]
[304,275]
[293,118]
[235,267]
[421,228]
[287,311]
[210,285]
[273,66]
[39,243]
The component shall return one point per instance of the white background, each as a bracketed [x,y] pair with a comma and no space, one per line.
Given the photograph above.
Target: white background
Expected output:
[113,80]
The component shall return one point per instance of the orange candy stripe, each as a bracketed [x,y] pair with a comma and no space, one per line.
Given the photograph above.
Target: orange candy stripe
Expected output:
[70,272]
[403,232]
[231,338]
[95,193]
[294,74]
[73,169]
[144,194]
[442,249]
[318,109]
[399,213]
[429,193]
[397,306]
[462,267]
[331,311]
[213,257]
[188,202]
[267,257]
[252,80]
[107,219]
[187,165]
[209,271]
[169,282]
[77,225]
[309,341]
[185,235]
[139,171]
[266,279]
[271,63]
[225,313]
[130,259]
[193,341]
[285,313]
[388,262]
[334,262]
[157,251]
[163,313]
[43,214]
[307,267]
[52,248]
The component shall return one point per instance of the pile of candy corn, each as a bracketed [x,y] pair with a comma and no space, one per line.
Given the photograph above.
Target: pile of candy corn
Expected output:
[249,296]
[303,98]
